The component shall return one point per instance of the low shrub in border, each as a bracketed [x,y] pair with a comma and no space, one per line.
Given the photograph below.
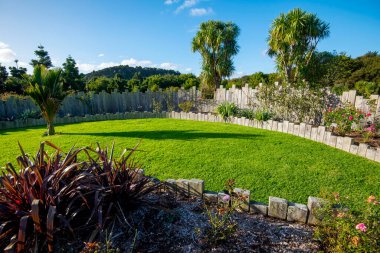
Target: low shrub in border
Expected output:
[345,230]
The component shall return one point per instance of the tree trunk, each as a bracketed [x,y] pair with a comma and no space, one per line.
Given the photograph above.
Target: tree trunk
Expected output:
[50,128]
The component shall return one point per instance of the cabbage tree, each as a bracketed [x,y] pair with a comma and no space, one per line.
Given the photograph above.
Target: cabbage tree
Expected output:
[293,38]
[216,42]
[46,89]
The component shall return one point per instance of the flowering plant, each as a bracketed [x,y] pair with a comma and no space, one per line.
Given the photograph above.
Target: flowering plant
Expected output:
[371,128]
[344,229]
[345,118]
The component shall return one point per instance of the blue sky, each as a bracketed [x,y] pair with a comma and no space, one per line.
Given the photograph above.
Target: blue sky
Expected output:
[158,33]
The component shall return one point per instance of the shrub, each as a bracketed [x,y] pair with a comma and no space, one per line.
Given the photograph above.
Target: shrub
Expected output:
[263,115]
[186,106]
[345,230]
[57,196]
[221,224]
[247,113]
[156,105]
[346,118]
[367,88]
[30,114]
[227,110]
[292,103]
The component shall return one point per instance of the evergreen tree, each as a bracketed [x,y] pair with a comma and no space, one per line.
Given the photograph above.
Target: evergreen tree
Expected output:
[43,58]
[72,80]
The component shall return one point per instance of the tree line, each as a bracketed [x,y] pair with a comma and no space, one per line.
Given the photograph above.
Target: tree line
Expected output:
[120,78]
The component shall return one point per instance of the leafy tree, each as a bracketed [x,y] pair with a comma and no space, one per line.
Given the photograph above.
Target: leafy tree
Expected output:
[72,79]
[102,84]
[15,85]
[46,89]
[293,38]
[43,58]
[191,82]
[120,83]
[3,77]
[257,78]
[17,71]
[368,70]
[216,42]
[367,88]
[133,84]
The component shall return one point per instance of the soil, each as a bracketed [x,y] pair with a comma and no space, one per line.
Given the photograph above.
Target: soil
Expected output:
[358,138]
[181,225]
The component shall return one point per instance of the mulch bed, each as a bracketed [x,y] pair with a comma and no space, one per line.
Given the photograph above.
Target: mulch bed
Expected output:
[172,225]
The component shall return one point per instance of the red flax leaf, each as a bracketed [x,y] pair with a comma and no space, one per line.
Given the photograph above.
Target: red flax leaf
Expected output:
[36,209]
[22,233]
[11,248]
[50,227]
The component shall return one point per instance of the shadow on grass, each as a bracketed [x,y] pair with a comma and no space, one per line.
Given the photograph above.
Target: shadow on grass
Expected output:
[170,134]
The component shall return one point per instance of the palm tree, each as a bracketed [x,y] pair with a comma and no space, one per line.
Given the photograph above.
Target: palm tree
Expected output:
[293,38]
[216,42]
[46,89]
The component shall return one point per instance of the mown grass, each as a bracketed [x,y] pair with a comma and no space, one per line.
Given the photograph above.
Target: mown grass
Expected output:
[265,162]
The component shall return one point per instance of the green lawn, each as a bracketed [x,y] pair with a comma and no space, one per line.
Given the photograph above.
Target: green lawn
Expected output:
[267,163]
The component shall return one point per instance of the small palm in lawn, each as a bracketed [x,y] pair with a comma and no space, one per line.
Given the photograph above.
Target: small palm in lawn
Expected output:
[46,89]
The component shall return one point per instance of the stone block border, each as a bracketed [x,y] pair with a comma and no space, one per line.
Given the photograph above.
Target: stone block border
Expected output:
[277,208]
[303,130]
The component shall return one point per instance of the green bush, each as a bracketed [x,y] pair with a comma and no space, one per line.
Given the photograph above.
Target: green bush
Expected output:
[367,88]
[227,110]
[30,114]
[263,115]
[345,230]
[246,113]
[186,106]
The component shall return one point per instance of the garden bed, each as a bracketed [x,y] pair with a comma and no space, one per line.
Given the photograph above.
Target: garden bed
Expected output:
[174,225]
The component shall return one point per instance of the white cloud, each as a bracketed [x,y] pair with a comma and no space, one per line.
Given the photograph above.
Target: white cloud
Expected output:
[169,2]
[100,55]
[169,65]
[85,67]
[188,70]
[201,11]
[186,4]
[7,55]
[133,62]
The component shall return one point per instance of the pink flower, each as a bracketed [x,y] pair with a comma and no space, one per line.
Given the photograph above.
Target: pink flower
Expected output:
[371,128]
[350,118]
[226,198]
[361,227]
[368,115]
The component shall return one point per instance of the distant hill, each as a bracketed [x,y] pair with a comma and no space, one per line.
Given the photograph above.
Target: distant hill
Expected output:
[127,72]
